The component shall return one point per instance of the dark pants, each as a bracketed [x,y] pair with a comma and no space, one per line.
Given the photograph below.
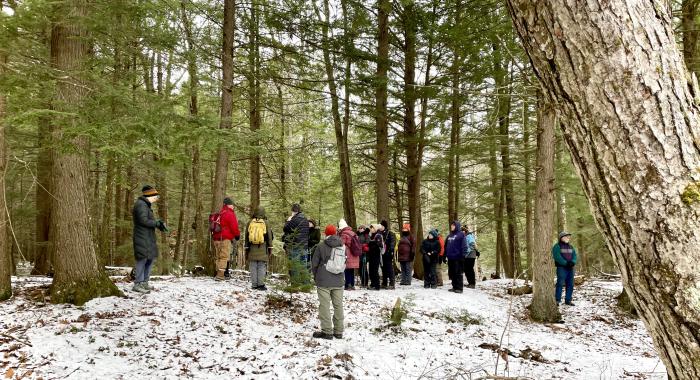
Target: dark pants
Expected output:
[373,270]
[349,278]
[455,268]
[469,270]
[364,274]
[388,269]
[430,269]
[565,276]
[406,272]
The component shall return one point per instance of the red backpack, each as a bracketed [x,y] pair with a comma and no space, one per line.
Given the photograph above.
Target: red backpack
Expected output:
[214,223]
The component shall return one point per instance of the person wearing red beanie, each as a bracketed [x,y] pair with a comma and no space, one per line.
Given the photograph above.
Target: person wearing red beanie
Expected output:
[330,230]
[329,285]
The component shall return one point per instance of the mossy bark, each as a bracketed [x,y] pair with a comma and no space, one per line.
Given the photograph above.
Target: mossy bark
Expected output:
[81,291]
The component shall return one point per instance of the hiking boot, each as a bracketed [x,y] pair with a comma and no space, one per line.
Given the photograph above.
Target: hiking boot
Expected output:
[138,287]
[385,287]
[569,304]
[451,290]
[338,335]
[146,286]
[427,286]
[433,286]
[392,287]
[458,291]
[471,286]
[322,335]
[217,278]
[262,288]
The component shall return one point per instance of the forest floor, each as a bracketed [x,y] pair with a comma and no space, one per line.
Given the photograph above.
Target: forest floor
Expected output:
[201,329]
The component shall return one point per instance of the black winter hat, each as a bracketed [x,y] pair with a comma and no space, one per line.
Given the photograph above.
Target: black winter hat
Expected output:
[296,207]
[228,201]
[385,224]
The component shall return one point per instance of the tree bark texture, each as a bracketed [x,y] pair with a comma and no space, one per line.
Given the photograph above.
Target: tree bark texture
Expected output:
[630,121]
[544,307]
[528,190]
[78,277]
[381,112]
[225,123]
[254,105]
[5,260]
[691,30]
[42,261]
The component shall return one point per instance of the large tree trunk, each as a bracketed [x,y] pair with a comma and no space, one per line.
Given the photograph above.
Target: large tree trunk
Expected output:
[631,124]
[455,120]
[78,277]
[5,260]
[528,190]
[381,112]
[350,215]
[225,122]
[42,261]
[544,307]
[254,105]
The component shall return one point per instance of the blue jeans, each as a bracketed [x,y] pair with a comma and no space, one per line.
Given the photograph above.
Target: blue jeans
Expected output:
[349,278]
[143,270]
[565,276]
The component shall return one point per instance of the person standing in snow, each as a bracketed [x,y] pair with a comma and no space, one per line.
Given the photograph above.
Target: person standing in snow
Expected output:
[363,236]
[258,248]
[406,253]
[455,250]
[565,260]
[374,256]
[470,259]
[388,276]
[353,251]
[329,287]
[296,239]
[430,248]
[223,238]
[144,239]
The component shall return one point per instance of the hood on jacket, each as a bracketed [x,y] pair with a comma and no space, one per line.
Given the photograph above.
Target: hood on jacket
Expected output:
[333,241]
[458,226]
[259,213]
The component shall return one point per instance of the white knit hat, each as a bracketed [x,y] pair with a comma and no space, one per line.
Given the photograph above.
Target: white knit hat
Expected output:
[342,224]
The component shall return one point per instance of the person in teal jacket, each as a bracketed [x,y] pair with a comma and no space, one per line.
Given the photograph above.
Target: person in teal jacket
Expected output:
[565,260]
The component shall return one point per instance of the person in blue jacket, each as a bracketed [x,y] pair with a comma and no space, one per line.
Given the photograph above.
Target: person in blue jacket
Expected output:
[565,260]
[456,250]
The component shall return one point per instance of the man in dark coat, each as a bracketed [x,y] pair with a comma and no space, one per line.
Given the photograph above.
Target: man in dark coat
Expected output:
[431,254]
[388,277]
[145,243]
[296,240]
[456,250]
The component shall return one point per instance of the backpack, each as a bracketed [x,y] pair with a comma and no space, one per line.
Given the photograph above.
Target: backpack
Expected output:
[214,223]
[336,263]
[355,246]
[256,231]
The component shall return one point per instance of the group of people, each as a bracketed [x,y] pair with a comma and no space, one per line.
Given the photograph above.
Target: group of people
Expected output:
[363,252]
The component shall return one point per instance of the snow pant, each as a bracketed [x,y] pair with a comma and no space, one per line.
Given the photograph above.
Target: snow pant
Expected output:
[565,276]
[222,250]
[406,272]
[326,296]
[374,261]
[142,270]
[364,273]
[388,269]
[349,278]
[430,269]
[258,271]
[438,270]
[469,270]
[455,268]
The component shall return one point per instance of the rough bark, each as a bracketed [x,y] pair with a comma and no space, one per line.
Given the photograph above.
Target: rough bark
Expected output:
[221,171]
[351,215]
[455,120]
[559,189]
[381,112]
[544,307]
[42,262]
[5,261]
[254,104]
[78,277]
[631,124]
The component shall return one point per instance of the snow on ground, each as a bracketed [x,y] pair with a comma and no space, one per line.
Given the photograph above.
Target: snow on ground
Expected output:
[201,329]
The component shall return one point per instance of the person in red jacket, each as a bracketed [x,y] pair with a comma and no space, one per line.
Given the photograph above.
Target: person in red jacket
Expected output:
[441,259]
[222,239]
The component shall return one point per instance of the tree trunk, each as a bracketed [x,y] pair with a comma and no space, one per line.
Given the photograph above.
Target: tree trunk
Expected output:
[181,219]
[78,277]
[225,123]
[528,190]
[544,307]
[254,105]
[559,188]
[691,29]
[351,218]
[398,196]
[497,195]
[5,260]
[381,112]
[631,125]
[42,261]
[340,136]
[105,241]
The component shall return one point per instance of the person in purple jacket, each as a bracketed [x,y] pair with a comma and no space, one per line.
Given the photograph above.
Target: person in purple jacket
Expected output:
[455,251]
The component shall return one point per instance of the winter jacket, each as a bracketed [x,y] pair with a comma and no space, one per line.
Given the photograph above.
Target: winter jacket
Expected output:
[376,244]
[364,242]
[389,240]
[258,252]
[314,237]
[321,255]
[431,250]
[229,225]
[406,249]
[347,235]
[145,224]
[471,245]
[456,243]
[560,257]
[296,232]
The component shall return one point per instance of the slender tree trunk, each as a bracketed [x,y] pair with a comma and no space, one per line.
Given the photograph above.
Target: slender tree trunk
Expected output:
[254,105]
[5,259]
[381,112]
[497,195]
[528,190]
[105,242]
[78,277]
[632,131]
[397,188]
[351,215]
[44,194]
[544,307]
[181,218]
[225,122]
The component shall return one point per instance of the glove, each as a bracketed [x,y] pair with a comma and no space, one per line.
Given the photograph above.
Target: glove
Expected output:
[570,264]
